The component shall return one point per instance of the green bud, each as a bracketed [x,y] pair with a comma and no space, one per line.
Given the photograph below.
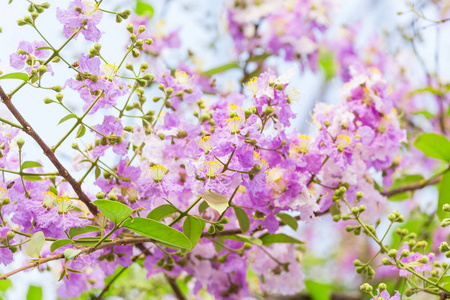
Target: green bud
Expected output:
[149,77]
[21,22]
[144,66]
[156,99]
[118,18]
[444,247]
[100,195]
[139,43]
[211,229]
[161,87]
[382,287]
[336,218]
[405,253]
[10,235]
[392,253]
[3,240]
[129,66]
[34,15]
[128,128]
[179,94]
[47,100]
[446,207]
[182,134]
[148,41]
[220,227]
[6,201]
[357,263]
[57,88]
[169,91]
[162,136]
[327,123]
[42,69]
[160,262]
[170,260]
[39,9]
[59,97]
[359,195]
[279,87]
[355,210]
[45,5]
[20,143]
[141,82]
[135,53]
[28,20]
[269,110]
[224,220]
[386,262]
[75,146]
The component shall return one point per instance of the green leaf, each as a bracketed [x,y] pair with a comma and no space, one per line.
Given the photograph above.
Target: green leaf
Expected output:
[44,48]
[424,113]
[269,239]
[222,68]
[18,75]
[30,164]
[162,211]
[144,9]
[288,220]
[260,57]
[434,145]
[53,190]
[34,293]
[89,240]
[427,89]
[97,172]
[68,117]
[70,253]
[244,238]
[217,201]
[32,178]
[74,231]
[59,243]
[318,291]
[158,231]
[5,284]
[113,210]
[444,195]
[202,207]
[404,181]
[193,228]
[327,63]
[35,244]
[81,131]
[242,217]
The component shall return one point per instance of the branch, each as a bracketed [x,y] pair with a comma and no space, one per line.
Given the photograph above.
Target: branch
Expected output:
[175,287]
[412,187]
[48,152]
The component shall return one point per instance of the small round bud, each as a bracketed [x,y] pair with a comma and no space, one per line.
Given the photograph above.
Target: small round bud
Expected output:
[336,218]
[100,195]
[211,229]
[362,208]
[118,18]
[156,99]
[359,195]
[342,189]
[424,260]
[129,66]
[327,123]
[405,253]
[269,110]
[446,207]
[42,69]
[182,134]
[20,143]
[382,287]
[128,128]
[6,201]
[59,97]
[75,146]
[144,66]
[10,235]
[392,253]
[169,91]
[220,227]
[141,29]
[47,100]
[357,263]
[162,136]
[279,87]
[386,262]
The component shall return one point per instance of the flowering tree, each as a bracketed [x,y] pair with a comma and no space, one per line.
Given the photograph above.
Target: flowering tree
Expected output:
[205,186]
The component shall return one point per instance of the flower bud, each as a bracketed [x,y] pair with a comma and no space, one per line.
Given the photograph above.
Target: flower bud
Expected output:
[42,69]
[100,195]
[47,100]
[148,41]
[10,235]
[211,229]
[359,195]
[162,136]
[386,262]
[118,18]
[269,110]
[327,123]
[405,253]
[444,247]
[446,207]
[169,91]
[182,134]
[6,201]
[20,143]
[75,146]
[392,253]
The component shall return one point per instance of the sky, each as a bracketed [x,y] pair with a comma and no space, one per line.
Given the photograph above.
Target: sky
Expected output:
[201,29]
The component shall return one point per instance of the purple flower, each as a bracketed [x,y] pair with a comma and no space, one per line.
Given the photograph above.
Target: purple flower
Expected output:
[113,129]
[97,83]
[83,14]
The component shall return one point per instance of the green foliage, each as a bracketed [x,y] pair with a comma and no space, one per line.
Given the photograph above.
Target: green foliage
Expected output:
[74,231]
[159,232]
[144,9]
[17,75]
[221,69]
[35,244]
[242,217]
[318,291]
[30,164]
[60,243]
[269,239]
[444,195]
[34,293]
[327,63]
[288,220]
[71,253]
[113,210]
[193,228]
[162,211]
[68,117]
[81,131]
[406,180]
[215,200]
[434,145]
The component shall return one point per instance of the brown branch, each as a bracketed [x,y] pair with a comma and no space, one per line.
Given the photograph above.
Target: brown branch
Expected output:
[48,152]
[175,287]
[412,187]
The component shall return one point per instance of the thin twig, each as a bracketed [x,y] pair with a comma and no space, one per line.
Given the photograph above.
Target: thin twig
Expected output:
[48,152]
